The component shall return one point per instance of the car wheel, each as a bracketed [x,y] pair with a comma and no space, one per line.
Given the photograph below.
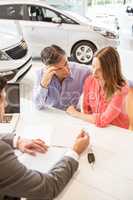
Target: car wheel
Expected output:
[83,52]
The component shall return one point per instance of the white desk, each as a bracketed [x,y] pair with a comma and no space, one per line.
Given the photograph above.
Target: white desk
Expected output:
[112,176]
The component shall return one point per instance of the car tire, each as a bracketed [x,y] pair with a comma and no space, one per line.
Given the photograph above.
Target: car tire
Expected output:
[83,52]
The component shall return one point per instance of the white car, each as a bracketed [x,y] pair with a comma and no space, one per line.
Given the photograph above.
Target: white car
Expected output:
[15,60]
[44,25]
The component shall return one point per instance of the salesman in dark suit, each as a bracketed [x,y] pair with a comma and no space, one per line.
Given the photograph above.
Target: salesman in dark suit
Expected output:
[16,180]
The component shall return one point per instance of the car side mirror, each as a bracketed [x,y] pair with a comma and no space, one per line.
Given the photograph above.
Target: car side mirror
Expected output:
[57,20]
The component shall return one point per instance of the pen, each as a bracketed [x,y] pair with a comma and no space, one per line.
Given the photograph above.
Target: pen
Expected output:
[58,146]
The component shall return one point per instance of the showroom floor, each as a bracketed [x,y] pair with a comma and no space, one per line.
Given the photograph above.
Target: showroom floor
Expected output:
[28,81]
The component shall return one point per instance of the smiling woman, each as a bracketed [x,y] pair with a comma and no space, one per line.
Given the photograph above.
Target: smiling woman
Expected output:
[104,92]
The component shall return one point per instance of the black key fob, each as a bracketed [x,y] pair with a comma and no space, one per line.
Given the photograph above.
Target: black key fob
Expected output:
[91,157]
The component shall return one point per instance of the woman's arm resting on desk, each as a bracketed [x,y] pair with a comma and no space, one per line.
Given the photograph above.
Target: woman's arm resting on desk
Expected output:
[113,110]
[87,117]
[102,119]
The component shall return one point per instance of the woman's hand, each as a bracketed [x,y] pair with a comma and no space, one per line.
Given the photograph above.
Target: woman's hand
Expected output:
[71,110]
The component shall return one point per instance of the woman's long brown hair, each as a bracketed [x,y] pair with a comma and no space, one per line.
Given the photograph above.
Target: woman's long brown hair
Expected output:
[111,70]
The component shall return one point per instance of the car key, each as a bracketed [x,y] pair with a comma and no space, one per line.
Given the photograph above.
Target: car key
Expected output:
[91,156]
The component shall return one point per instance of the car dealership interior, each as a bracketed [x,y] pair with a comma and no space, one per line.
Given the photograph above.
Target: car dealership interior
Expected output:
[66,99]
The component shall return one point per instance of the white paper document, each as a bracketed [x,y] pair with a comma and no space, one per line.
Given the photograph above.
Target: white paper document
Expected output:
[65,135]
[34,132]
[42,162]
[58,138]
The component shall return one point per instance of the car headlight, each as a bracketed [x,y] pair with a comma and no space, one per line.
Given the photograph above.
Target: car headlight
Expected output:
[4,56]
[106,33]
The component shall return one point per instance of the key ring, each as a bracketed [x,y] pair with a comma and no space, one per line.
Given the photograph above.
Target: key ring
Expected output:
[91,156]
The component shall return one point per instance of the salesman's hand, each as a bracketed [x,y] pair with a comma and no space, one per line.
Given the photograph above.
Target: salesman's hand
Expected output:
[81,143]
[31,146]
[47,76]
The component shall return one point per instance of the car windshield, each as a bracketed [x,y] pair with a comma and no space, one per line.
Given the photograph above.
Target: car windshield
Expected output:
[86,20]
[76,8]
[62,6]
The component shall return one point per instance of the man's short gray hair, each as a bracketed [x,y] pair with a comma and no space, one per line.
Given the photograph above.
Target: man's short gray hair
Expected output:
[52,54]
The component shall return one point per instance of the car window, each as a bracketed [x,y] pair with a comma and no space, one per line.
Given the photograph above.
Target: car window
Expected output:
[50,14]
[12,12]
[67,20]
[35,13]
[38,13]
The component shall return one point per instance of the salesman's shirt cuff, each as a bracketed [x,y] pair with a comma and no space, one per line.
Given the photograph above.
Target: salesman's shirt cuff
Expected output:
[72,154]
[15,140]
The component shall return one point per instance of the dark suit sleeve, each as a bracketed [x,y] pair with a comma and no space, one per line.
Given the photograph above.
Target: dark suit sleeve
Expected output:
[16,180]
[8,138]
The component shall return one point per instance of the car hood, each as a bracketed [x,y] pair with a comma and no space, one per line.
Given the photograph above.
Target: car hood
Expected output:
[10,34]
[87,21]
